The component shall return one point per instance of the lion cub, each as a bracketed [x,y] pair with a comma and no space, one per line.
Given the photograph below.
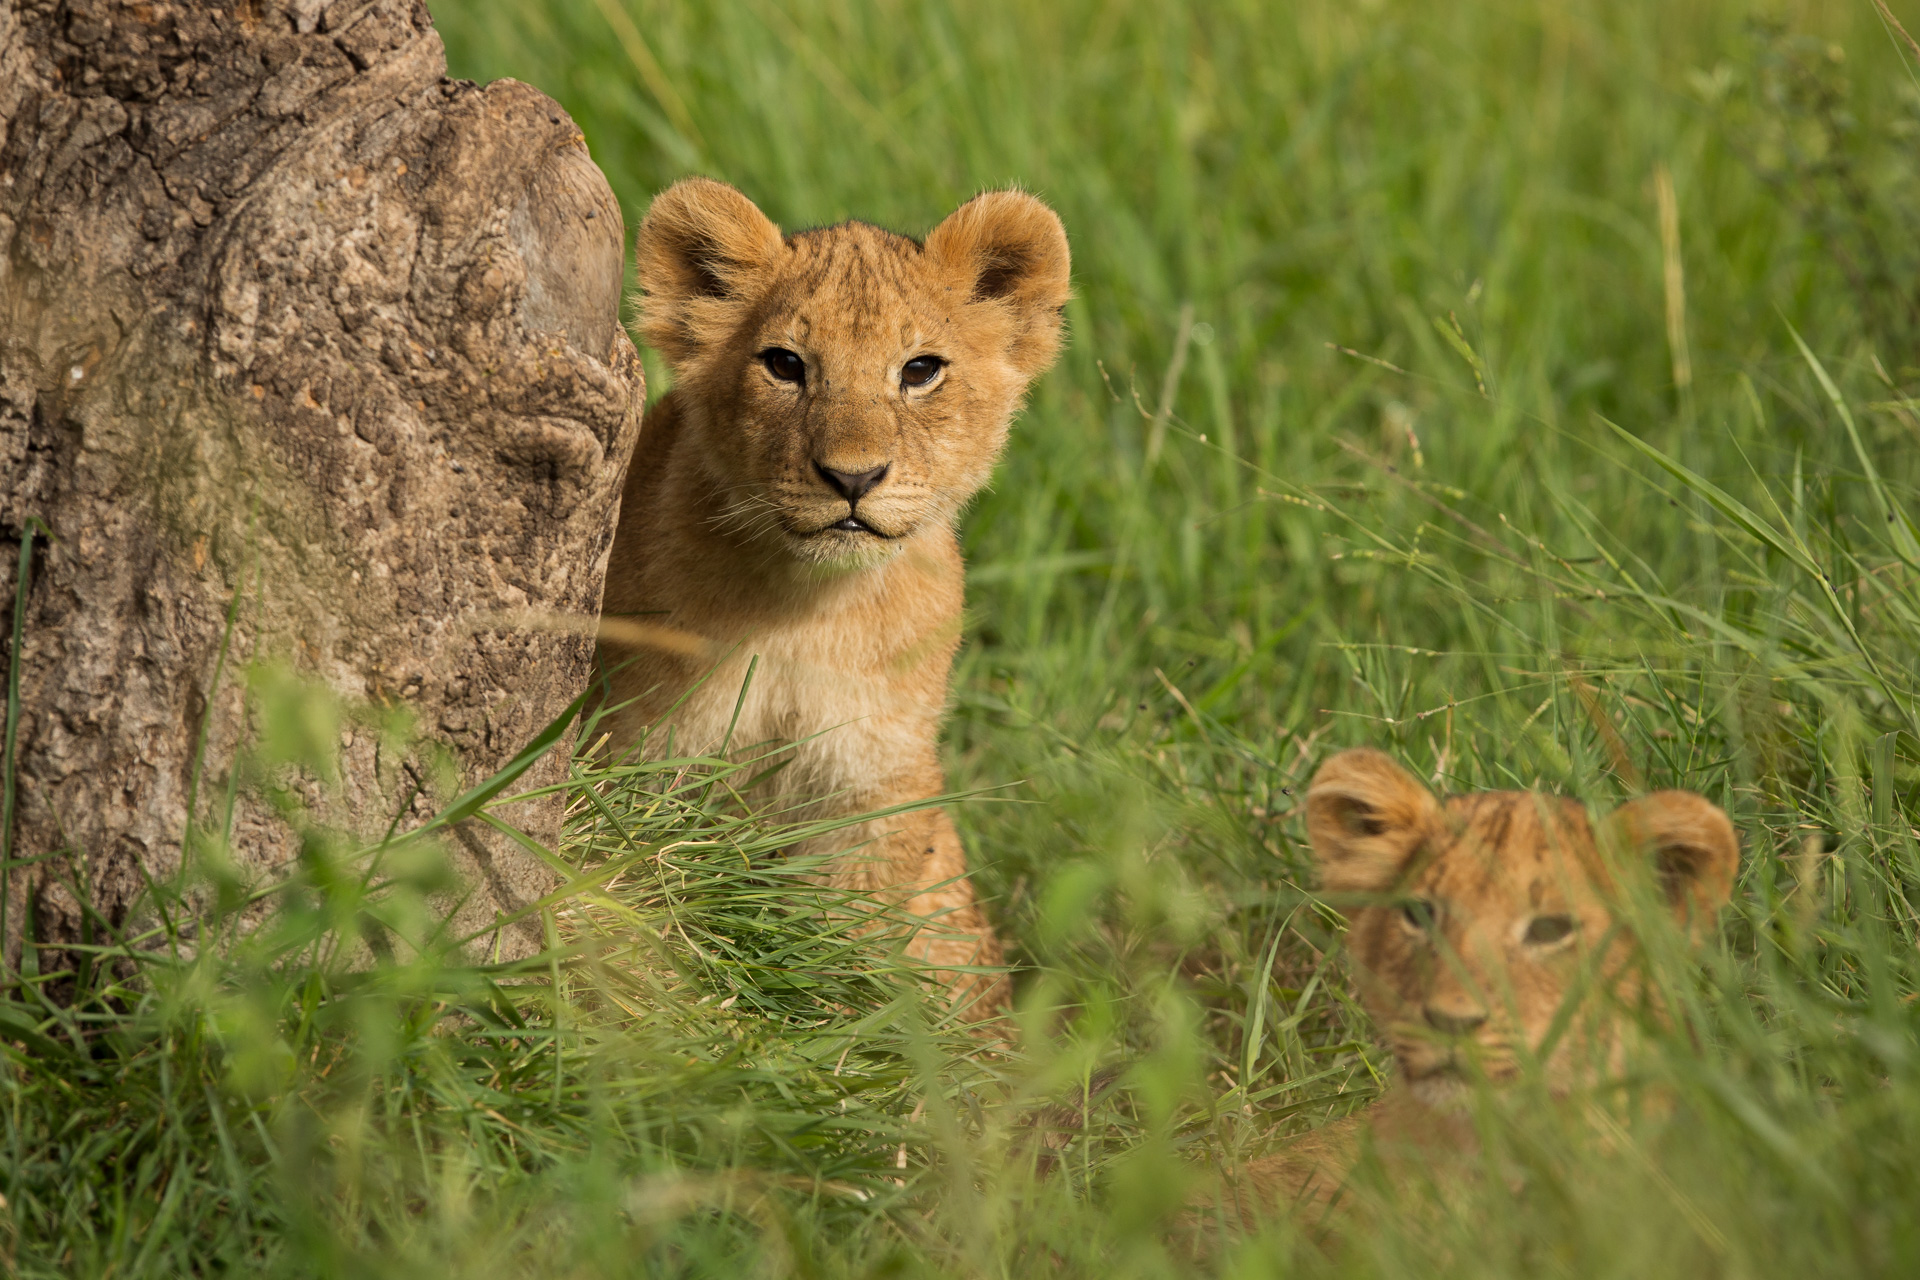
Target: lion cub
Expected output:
[839,395]
[1482,913]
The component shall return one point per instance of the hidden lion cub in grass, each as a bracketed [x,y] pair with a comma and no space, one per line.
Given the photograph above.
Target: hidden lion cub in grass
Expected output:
[839,395]
[1483,914]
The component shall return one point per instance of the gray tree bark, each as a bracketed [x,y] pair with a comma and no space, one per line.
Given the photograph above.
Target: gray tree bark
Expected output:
[298,332]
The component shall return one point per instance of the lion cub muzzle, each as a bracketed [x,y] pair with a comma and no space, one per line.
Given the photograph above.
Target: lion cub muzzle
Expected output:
[853,486]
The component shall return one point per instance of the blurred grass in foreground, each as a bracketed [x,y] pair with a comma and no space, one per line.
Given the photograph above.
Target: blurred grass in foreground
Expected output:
[1332,459]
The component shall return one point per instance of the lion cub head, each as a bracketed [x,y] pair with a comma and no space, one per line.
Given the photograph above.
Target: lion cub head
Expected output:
[1485,913]
[851,387]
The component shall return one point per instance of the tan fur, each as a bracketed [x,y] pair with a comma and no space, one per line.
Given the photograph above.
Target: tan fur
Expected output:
[727,548]
[1479,989]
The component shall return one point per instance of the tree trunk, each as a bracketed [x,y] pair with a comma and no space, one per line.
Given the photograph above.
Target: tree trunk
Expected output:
[307,353]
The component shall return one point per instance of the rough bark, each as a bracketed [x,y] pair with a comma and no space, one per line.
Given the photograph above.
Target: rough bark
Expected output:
[297,331]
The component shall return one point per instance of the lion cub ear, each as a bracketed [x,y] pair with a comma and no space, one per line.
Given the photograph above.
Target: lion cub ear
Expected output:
[1366,816]
[1008,248]
[703,251]
[1690,845]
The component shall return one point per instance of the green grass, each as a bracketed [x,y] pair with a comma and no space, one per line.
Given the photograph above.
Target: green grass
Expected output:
[1467,453]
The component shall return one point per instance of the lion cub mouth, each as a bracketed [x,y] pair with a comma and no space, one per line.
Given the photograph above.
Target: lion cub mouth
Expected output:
[848,543]
[852,524]
[1448,1083]
[1489,1062]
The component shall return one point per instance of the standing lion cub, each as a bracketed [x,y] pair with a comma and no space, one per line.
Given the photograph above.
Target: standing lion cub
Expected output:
[839,395]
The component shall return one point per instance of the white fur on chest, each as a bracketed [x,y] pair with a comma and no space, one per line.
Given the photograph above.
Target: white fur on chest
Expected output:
[848,729]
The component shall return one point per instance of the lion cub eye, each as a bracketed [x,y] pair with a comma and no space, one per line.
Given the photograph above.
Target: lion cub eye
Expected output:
[1421,914]
[1546,930]
[784,364]
[921,370]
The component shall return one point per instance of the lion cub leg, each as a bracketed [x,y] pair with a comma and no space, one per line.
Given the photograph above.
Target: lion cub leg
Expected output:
[956,932]
[916,860]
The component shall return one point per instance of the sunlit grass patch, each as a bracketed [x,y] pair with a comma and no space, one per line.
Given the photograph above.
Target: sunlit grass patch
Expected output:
[711,1031]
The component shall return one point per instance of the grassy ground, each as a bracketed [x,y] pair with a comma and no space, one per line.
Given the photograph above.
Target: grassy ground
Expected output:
[1525,388]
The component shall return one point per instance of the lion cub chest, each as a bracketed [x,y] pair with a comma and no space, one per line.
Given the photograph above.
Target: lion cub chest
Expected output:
[836,727]
[848,686]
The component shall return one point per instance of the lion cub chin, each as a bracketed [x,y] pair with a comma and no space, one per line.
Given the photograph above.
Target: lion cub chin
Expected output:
[838,396]
[1472,922]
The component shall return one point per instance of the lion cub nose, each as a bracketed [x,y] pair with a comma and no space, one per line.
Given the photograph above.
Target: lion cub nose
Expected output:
[852,485]
[1453,1022]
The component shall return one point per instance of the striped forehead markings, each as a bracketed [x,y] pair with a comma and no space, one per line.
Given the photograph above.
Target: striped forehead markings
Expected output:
[863,303]
[1497,838]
